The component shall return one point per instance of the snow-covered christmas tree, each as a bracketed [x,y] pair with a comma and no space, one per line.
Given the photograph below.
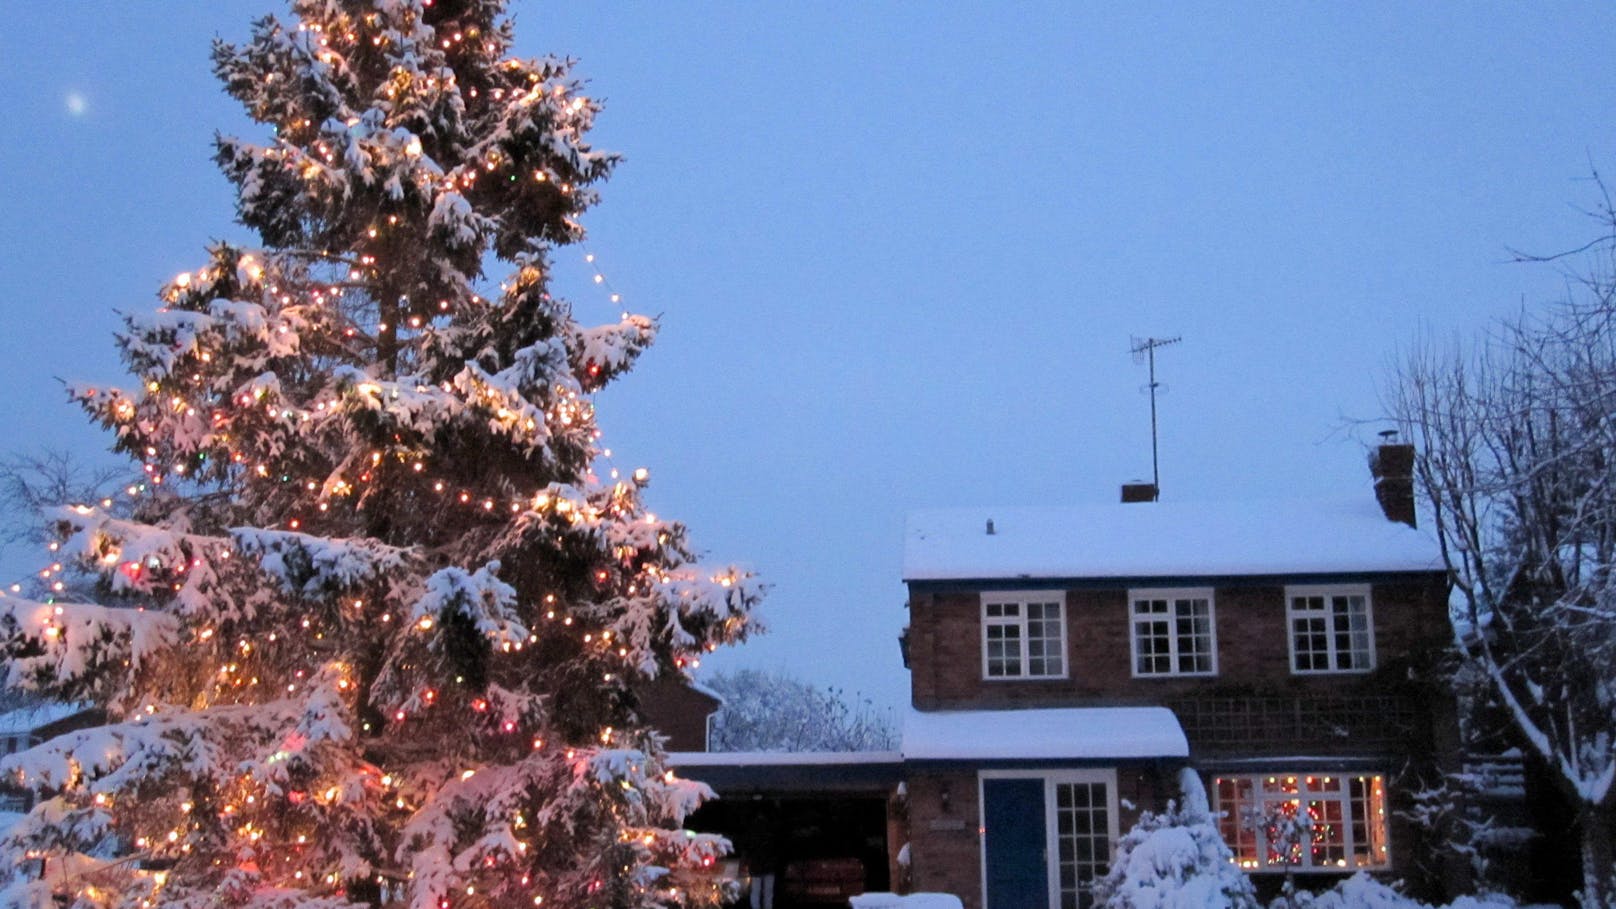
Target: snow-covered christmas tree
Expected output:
[373,631]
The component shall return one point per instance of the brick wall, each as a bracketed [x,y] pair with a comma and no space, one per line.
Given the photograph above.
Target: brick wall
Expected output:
[945,843]
[679,712]
[946,648]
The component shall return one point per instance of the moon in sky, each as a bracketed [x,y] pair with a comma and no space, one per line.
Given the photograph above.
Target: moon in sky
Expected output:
[77,104]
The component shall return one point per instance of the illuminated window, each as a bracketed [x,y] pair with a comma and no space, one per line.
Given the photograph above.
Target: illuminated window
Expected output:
[1023,635]
[1330,629]
[1275,821]
[1173,632]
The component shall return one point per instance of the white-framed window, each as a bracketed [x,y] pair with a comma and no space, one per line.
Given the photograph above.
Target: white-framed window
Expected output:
[1024,635]
[1173,632]
[1303,820]
[1080,831]
[1331,629]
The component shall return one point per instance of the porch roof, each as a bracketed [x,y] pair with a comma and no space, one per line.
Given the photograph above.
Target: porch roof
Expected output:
[1075,733]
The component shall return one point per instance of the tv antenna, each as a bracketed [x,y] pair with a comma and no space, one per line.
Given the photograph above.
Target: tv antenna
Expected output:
[1145,349]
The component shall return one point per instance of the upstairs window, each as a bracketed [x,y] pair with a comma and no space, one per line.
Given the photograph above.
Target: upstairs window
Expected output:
[1023,635]
[1173,632]
[1330,629]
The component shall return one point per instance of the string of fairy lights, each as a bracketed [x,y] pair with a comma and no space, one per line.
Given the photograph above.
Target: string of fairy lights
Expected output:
[182,558]
[231,675]
[127,495]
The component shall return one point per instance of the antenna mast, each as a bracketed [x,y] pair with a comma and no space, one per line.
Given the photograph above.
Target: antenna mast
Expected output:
[1145,348]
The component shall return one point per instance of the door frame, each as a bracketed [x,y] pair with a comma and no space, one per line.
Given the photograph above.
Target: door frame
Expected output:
[1050,778]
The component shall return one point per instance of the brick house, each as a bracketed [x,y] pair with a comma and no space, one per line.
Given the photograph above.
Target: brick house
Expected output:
[1067,663]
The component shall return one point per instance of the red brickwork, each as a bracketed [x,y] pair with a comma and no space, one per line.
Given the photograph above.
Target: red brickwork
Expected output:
[945,843]
[1252,653]
[1253,706]
[679,712]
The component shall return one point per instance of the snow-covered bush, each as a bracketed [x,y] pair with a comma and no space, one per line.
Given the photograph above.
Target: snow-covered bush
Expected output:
[1357,892]
[1176,860]
[1361,891]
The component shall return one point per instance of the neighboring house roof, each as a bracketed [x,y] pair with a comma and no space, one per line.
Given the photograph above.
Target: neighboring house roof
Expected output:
[1052,734]
[29,719]
[1162,539]
[710,692]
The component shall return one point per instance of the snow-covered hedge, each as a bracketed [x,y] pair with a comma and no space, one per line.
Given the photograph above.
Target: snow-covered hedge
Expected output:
[1364,892]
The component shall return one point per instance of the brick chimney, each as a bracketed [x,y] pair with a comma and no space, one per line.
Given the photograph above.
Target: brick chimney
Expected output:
[1139,492]
[1392,465]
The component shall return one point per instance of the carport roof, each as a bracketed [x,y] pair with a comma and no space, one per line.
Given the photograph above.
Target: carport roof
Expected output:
[786,772]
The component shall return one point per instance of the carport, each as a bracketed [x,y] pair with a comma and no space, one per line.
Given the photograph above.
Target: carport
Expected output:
[821,823]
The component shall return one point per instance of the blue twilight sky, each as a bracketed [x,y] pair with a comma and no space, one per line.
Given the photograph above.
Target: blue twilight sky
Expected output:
[899,248]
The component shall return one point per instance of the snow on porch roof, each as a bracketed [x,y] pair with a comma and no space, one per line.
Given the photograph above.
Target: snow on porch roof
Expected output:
[1162,539]
[1061,733]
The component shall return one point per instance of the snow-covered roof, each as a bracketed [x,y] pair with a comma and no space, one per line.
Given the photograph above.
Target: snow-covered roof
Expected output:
[698,687]
[1057,733]
[1162,539]
[30,718]
[779,758]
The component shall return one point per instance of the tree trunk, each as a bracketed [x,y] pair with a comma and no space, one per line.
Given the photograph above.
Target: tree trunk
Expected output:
[1598,860]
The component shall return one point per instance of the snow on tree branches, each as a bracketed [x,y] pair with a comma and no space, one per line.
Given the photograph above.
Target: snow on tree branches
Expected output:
[1516,437]
[770,711]
[374,629]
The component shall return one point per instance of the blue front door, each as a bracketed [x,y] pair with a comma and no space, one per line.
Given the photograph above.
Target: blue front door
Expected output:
[1015,843]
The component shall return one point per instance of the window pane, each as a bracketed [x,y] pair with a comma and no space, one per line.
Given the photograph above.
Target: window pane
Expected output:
[1352,632]
[1194,635]
[1329,846]
[1153,644]
[1004,650]
[1236,821]
[1368,801]
[1083,850]
[1022,639]
[1310,643]
[1044,639]
[1305,821]
[1331,633]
